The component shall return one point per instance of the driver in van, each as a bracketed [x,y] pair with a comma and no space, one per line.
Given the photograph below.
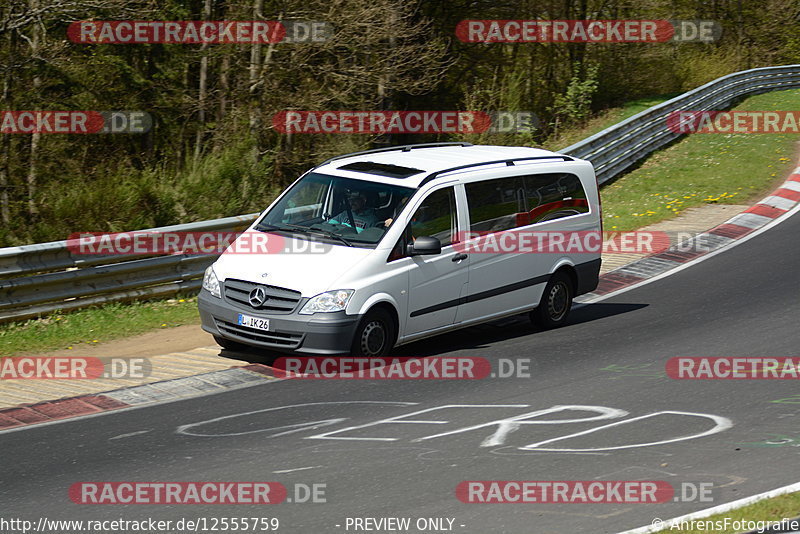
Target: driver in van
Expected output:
[363,217]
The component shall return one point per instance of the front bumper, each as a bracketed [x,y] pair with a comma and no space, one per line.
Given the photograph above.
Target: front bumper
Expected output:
[317,334]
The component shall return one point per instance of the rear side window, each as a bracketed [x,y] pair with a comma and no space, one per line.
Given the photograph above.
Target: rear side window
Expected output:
[552,196]
[506,203]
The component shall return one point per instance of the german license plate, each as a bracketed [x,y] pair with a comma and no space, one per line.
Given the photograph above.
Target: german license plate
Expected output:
[253,322]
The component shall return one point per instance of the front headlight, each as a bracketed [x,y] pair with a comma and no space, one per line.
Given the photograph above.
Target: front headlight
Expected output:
[211,283]
[330,301]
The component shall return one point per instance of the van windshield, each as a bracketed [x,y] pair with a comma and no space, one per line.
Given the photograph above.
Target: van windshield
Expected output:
[347,211]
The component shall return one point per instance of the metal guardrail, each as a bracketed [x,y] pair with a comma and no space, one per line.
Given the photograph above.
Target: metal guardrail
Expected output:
[617,148]
[39,279]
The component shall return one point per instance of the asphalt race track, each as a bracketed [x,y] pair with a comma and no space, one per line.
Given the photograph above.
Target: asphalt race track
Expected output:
[742,302]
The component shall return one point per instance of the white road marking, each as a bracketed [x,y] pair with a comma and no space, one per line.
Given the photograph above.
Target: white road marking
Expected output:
[504,425]
[282,471]
[184,429]
[721,424]
[122,436]
[396,419]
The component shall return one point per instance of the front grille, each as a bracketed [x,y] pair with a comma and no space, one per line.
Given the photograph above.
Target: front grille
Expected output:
[275,339]
[279,299]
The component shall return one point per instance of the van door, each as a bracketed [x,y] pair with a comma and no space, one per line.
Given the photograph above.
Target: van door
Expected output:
[506,280]
[436,282]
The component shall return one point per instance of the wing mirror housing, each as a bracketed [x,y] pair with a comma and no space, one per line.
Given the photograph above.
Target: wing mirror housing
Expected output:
[424,246]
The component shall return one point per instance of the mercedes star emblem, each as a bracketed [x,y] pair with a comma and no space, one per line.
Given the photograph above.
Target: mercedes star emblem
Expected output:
[258,296]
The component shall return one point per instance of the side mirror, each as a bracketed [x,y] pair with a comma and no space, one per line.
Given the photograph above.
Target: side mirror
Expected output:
[424,245]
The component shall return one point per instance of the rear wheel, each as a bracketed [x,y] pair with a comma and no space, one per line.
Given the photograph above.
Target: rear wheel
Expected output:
[375,335]
[228,344]
[556,302]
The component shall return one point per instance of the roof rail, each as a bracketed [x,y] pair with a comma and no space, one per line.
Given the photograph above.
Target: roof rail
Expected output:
[404,148]
[509,163]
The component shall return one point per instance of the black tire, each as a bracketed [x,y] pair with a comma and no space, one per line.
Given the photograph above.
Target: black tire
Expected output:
[553,310]
[228,344]
[375,335]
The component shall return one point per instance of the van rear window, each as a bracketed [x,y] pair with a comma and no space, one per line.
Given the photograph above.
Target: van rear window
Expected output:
[506,203]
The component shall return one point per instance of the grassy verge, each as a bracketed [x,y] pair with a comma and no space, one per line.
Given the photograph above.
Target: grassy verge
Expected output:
[604,120]
[95,325]
[704,169]
[768,510]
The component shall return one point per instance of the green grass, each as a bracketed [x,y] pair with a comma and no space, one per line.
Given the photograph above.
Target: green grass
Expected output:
[704,169]
[95,325]
[603,120]
[775,509]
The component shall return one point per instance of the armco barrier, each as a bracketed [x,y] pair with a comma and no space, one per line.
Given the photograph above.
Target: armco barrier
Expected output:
[42,278]
[616,148]
[39,279]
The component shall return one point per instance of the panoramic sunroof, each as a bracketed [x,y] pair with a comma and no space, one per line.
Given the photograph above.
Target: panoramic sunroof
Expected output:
[381,169]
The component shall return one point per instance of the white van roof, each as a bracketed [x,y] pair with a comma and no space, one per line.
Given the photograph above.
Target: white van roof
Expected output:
[410,165]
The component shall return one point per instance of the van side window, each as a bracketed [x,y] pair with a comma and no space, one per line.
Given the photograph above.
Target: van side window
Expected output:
[506,203]
[552,196]
[495,205]
[436,217]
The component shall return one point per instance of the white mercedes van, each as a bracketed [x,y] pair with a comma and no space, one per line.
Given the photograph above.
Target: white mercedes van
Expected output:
[392,260]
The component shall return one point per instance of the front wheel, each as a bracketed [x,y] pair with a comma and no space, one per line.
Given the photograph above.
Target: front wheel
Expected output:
[375,335]
[556,302]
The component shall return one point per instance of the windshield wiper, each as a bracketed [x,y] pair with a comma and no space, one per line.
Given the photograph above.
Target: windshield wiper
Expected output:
[304,230]
[264,227]
[286,227]
[330,234]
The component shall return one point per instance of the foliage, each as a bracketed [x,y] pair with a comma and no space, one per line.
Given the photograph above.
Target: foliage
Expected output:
[213,151]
